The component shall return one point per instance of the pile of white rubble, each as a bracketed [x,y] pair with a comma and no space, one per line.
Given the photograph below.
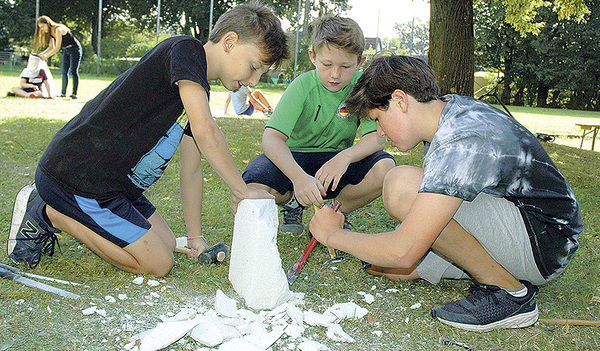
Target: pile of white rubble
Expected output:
[227,328]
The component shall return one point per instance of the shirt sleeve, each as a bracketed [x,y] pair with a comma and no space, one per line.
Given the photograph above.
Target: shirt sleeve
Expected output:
[289,108]
[187,61]
[461,167]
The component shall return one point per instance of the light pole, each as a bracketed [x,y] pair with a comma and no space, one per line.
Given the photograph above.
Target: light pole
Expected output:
[99,35]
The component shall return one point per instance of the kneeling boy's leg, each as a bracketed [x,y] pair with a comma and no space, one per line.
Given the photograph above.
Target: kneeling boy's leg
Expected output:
[497,226]
[150,254]
[129,234]
[364,181]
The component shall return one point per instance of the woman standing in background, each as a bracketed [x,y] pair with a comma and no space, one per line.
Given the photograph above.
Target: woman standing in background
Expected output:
[56,36]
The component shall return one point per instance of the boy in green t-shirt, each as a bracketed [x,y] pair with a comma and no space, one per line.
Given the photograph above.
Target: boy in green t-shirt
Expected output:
[308,143]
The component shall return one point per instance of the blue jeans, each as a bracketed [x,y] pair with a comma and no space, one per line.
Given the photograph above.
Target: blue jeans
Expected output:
[70,63]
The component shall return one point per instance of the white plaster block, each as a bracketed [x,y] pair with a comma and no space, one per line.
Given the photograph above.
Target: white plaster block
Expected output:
[255,269]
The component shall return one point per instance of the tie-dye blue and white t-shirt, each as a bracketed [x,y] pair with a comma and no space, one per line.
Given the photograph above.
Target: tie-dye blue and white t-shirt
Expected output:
[478,148]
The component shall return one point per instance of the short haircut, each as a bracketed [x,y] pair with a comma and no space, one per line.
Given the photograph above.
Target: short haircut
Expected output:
[254,23]
[342,32]
[387,73]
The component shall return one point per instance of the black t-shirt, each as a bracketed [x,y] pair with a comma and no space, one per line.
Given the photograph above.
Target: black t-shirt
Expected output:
[122,140]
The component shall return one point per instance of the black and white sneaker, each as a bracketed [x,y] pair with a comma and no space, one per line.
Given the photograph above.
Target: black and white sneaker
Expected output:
[292,220]
[489,307]
[30,236]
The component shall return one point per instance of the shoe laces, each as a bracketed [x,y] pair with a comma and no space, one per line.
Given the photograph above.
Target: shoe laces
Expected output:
[46,243]
[292,214]
[482,293]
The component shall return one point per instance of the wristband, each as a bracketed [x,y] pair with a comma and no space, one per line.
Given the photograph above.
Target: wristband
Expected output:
[194,237]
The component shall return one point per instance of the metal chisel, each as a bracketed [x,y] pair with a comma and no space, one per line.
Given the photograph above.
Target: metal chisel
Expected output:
[35,284]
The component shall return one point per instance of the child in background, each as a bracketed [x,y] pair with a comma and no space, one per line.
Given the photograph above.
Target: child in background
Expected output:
[308,143]
[245,101]
[32,79]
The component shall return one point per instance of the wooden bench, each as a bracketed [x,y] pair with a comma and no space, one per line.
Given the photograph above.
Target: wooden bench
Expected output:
[587,129]
[6,58]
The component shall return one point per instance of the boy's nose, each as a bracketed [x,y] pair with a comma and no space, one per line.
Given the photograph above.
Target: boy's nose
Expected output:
[254,79]
[335,72]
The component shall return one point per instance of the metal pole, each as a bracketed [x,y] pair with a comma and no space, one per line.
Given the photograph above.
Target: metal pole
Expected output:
[297,39]
[210,18]
[37,11]
[99,36]
[157,21]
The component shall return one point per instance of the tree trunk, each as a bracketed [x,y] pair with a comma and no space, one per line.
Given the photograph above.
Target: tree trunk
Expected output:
[451,50]
[542,96]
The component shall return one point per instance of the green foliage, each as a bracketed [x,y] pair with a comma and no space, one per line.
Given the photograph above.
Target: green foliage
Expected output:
[16,23]
[413,37]
[556,68]
[522,14]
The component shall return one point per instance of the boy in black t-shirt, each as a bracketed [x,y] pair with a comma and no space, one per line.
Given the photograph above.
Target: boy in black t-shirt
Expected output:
[91,178]
[488,204]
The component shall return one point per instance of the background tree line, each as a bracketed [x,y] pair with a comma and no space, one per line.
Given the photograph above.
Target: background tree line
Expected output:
[547,58]
[548,62]
[129,26]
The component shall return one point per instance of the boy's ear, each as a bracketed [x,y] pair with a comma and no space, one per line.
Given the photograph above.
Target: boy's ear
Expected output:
[313,57]
[399,97]
[229,40]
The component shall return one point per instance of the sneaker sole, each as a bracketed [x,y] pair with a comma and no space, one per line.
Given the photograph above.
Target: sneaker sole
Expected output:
[522,320]
[19,210]
[292,233]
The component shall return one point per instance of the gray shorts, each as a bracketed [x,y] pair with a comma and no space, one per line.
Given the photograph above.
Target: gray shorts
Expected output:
[497,224]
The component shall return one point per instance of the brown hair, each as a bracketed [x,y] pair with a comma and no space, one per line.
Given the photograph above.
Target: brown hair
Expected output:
[42,39]
[254,23]
[342,32]
[385,74]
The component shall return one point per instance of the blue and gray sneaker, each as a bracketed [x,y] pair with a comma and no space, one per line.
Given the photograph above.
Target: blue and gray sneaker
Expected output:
[30,236]
[489,307]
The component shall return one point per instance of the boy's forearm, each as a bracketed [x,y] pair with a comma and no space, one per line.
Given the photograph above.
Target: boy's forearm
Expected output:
[367,145]
[216,151]
[191,184]
[279,153]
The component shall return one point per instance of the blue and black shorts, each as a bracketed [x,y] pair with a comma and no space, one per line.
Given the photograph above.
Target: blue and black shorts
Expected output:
[117,219]
[262,171]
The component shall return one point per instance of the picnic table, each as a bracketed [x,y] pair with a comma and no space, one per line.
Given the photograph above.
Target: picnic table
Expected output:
[587,129]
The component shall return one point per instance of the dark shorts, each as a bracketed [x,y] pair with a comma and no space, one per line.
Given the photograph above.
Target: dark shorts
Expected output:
[117,219]
[262,171]
[249,111]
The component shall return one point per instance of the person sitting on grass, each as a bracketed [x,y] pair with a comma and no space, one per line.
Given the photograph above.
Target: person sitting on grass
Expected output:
[32,79]
[245,101]
[90,180]
[308,143]
[489,204]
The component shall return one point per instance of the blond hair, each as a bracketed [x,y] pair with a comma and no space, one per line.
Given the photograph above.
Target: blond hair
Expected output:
[42,39]
[342,32]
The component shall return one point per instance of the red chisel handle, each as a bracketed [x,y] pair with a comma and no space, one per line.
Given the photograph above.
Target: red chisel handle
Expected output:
[311,245]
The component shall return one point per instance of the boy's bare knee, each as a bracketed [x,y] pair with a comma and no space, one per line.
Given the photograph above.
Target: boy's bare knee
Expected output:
[400,187]
[161,266]
[382,167]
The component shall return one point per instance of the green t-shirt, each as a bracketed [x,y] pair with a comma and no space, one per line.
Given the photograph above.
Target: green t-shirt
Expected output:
[314,118]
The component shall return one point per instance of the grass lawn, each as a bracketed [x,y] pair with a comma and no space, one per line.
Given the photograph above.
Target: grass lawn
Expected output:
[35,320]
